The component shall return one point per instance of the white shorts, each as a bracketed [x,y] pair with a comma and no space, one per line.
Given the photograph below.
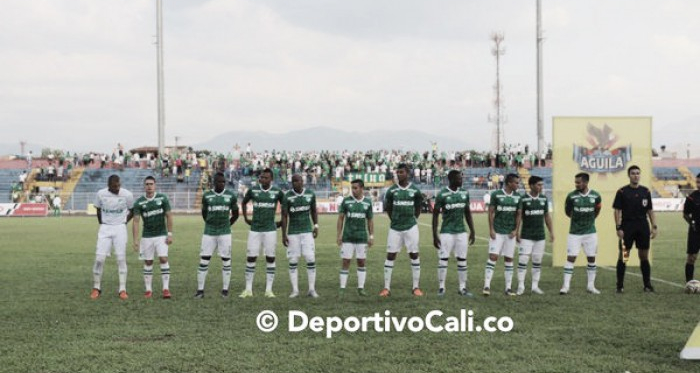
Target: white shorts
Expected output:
[112,236]
[398,239]
[222,244]
[151,245]
[266,240]
[456,243]
[502,245]
[359,249]
[530,247]
[301,244]
[588,241]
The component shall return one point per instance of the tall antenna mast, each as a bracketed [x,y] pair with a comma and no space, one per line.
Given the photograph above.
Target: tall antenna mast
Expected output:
[498,120]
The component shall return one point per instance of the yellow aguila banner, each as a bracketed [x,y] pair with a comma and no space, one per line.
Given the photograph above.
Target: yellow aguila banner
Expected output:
[604,147]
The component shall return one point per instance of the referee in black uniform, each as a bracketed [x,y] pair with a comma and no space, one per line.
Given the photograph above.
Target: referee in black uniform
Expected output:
[632,206]
[691,214]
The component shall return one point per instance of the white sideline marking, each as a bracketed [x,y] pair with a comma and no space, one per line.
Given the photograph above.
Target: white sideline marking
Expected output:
[675,284]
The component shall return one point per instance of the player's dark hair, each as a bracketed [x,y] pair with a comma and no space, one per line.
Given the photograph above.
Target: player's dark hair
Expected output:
[402,165]
[149,177]
[113,178]
[533,180]
[358,181]
[633,167]
[268,171]
[453,175]
[219,174]
[511,177]
[583,176]
[698,175]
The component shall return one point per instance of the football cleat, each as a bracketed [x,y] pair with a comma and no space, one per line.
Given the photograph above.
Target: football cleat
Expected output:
[123,295]
[509,292]
[148,295]
[294,294]
[537,291]
[417,292]
[95,293]
[224,293]
[564,291]
[269,294]
[441,292]
[465,293]
[520,291]
[593,290]
[619,290]
[199,294]
[385,293]
[312,294]
[486,291]
[166,294]
[648,289]
[246,294]
[361,292]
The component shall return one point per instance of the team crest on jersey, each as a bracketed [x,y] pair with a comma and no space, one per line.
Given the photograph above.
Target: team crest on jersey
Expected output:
[308,198]
[592,200]
[644,202]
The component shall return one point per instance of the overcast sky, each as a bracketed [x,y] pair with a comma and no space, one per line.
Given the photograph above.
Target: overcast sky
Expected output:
[80,74]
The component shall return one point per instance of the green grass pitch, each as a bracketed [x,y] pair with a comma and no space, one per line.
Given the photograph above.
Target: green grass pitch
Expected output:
[49,323]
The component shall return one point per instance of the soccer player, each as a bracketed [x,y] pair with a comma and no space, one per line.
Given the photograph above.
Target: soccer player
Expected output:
[355,219]
[533,210]
[503,223]
[298,211]
[691,214]
[263,230]
[402,203]
[453,203]
[114,209]
[219,211]
[157,234]
[632,205]
[582,206]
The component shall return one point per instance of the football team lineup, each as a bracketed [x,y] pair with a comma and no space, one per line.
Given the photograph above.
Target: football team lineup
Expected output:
[515,220]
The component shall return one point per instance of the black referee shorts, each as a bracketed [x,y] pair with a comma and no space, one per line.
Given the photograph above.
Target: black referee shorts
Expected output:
[637,234]
[693,241]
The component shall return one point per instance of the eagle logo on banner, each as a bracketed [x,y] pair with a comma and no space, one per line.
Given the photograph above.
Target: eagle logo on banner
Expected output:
[602,156]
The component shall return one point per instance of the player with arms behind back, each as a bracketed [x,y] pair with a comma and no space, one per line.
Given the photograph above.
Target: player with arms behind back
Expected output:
[263,230]
[219,211]
[533,210]
[402,203]
[157,234]
[453,203]
[691,214]
[354,221]
[298,211]
[583,207]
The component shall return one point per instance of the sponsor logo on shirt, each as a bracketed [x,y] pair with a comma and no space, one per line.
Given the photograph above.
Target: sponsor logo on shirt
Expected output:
[265,205]
[300,209]
[152,213]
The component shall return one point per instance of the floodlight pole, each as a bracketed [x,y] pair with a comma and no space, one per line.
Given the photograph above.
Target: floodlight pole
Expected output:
[498,51]
[161,98]
[540,102]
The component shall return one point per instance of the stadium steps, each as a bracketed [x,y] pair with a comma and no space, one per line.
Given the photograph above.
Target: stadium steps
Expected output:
[689,177]
[30,182]
[660,187]
[69,185]
[524,177]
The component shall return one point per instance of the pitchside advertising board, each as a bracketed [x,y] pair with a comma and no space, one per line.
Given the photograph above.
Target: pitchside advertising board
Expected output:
[23,209]
[604,147]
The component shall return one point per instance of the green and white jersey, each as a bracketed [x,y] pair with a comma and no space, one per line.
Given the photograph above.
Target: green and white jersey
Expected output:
[582,209]
[506,206]
[264,207]
[152,211]
[533,210]
[452,204]
[356,212]
[299,207]
[218,207]
[403,202]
